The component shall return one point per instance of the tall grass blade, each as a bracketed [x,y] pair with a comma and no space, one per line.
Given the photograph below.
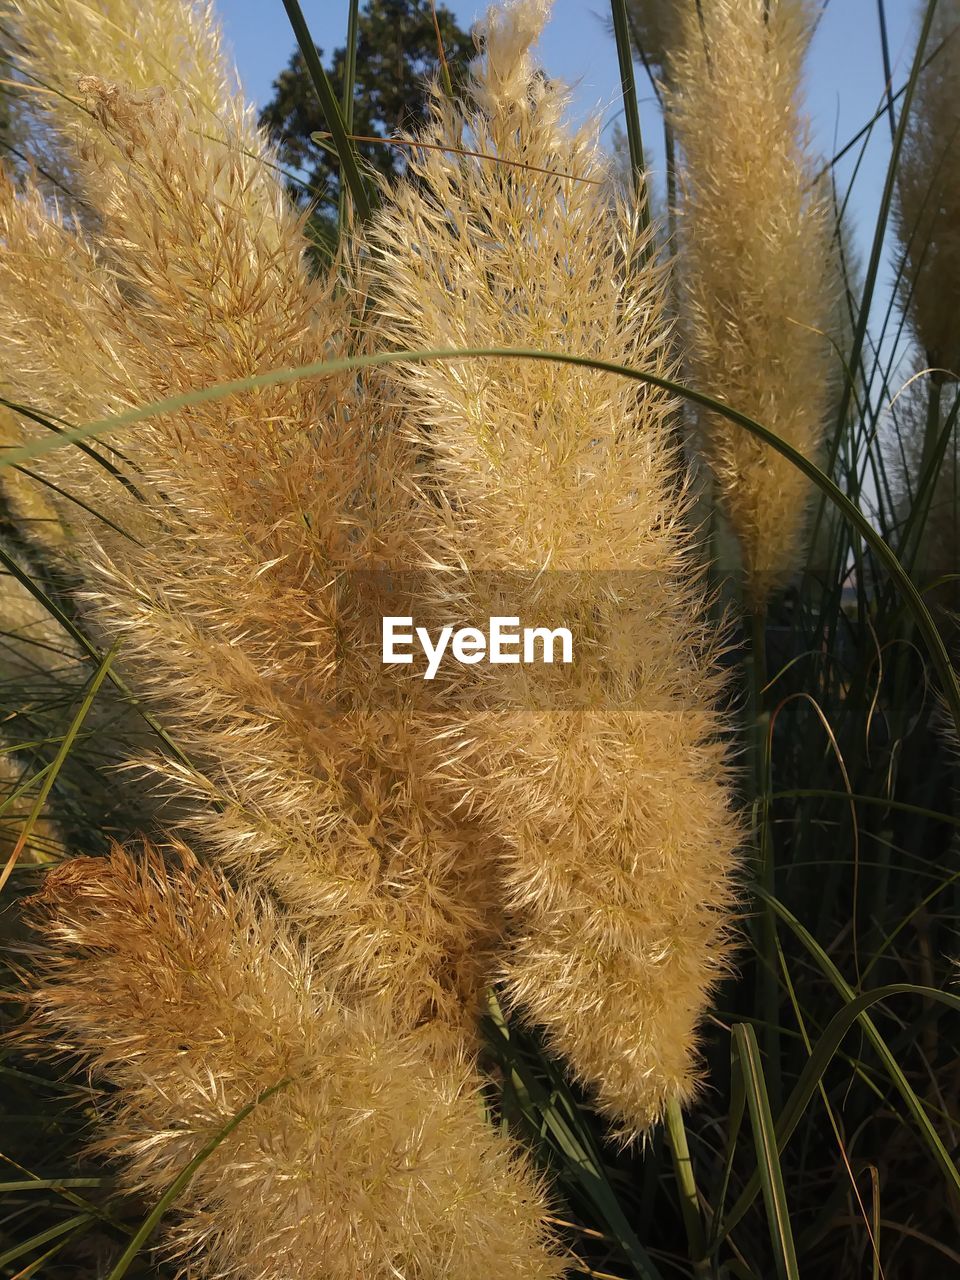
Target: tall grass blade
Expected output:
[44,1237]
[631,108]
[892,1067]
[886,204]
[347,101]
[50,775]
[768,1158]
[687,1187]
[346,152]
[813,1072]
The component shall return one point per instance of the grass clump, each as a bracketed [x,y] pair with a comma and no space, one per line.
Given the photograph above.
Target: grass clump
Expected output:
[434,979]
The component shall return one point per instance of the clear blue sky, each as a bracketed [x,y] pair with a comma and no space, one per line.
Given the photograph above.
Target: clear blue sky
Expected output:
[844,79]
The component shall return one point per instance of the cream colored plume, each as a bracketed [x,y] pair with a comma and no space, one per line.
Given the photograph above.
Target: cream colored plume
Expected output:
[243,512]
[758,277]
[236,526]
[612,800]
[169,45]
[928,198]
[192,1001]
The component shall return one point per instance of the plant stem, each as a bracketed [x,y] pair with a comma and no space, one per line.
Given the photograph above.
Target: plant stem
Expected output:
[687,1188]
[631,110]
[767,988]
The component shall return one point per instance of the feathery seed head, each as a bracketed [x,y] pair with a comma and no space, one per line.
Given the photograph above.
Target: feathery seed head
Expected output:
[928,198]
[653,25]
[371,1159]
[248,511]
[759,278]
[613,807]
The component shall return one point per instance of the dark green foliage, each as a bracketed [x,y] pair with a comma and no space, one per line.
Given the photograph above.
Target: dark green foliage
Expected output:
[396,58]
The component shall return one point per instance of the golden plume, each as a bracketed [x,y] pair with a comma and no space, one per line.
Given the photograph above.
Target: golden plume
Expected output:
[758,276]
[606,779]
[362,1155]
[234,527]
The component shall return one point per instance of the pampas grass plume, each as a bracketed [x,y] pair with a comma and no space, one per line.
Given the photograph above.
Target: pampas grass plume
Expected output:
[613,808]
[758,279]
[928,199]
[246,511]
[192,1000]
[246,516]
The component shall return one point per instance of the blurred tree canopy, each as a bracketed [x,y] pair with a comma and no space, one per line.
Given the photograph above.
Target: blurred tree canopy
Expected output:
[397,55]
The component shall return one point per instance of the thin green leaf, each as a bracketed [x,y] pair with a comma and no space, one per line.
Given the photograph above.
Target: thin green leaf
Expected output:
[346,153]
[572,1138]
[347,100]
[768,1158]
[686,1186]
[50,775]
[44,1237]
[631,109]
[826,1048]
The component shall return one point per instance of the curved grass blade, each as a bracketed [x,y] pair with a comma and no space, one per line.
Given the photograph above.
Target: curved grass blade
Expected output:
[826,1048]
[65,621]
[50,775]
[326,368]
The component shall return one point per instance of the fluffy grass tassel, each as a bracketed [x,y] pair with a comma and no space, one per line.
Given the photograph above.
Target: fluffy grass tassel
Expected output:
[928,205]
[237,520]
[759,280]
[192,1000]
[605,779]
[232,530]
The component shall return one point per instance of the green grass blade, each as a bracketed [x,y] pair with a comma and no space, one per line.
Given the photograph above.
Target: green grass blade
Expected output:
[827,1047]
[768,1157]
[553,1115]
[738,1103]
[50,775]
[886,203]
[686,1187]
[347,102]
[631,109]
[44,1237]
[53,1184]
[75,632]
[349,165]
